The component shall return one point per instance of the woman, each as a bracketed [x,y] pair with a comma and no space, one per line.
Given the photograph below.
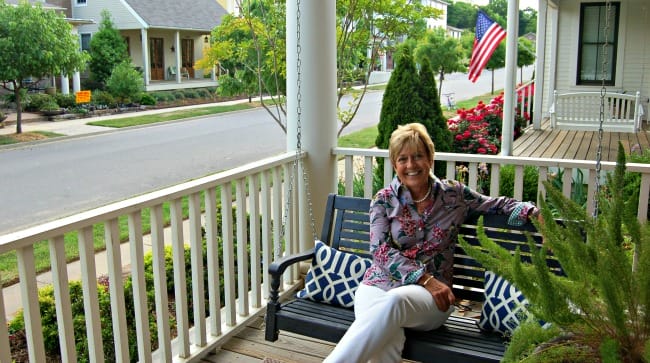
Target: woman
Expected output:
[413,229]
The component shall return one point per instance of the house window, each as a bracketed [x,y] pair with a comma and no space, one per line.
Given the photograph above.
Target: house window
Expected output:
[592,39]
[85,41]
[80,2]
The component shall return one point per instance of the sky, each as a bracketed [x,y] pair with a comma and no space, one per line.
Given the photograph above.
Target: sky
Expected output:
[523,4]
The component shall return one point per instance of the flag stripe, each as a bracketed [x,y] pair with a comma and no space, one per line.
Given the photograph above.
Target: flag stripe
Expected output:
[488,36]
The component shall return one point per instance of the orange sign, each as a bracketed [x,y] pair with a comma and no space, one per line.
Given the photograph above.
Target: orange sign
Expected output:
[82,97]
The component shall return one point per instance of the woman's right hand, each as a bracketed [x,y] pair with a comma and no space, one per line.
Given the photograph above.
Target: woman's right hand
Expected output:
[441,293]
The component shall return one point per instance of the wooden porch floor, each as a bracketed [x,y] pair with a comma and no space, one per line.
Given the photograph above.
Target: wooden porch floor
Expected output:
[249,346]
[578,145]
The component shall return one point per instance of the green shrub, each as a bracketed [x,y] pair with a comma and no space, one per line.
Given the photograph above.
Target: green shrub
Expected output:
[103,99]
[178,95]
[50,106]
[66,101]
[147,99]
[125,83]
[35,101]
[190,93]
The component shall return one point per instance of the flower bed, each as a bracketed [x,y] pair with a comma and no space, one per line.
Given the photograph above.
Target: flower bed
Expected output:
[478,130]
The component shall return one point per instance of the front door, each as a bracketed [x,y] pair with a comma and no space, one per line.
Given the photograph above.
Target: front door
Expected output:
[156,59]
[187,56]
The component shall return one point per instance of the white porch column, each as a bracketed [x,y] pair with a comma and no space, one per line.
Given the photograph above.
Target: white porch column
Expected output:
[509,97]
[177,55]
[146,66]
[318,101]
[76,82]
[540,53]
[65,85]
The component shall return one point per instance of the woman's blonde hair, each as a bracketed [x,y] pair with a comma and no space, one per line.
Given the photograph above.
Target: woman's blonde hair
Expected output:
[413,135]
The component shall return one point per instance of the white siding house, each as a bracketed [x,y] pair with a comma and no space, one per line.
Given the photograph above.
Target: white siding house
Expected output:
[569,45]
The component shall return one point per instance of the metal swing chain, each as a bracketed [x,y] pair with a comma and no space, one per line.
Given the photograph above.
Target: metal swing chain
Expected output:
[297,159]
[603,91]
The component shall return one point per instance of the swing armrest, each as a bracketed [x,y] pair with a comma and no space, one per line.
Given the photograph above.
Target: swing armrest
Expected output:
[278,267]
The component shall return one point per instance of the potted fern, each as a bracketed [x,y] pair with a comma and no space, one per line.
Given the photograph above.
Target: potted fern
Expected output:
[598,311]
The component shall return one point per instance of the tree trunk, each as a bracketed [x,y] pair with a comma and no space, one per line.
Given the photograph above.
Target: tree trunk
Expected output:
[19,109]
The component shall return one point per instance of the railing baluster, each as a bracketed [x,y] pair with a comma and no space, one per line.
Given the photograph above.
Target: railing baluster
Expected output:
[567,181]
[278,210]
[495,175]
[242,250]
[543,176]
[5,351]
[349,175]
[473,175]
[91,299]
[254,210]
[196,258]
[368,176]
[116,287]
[289,185]
[519,182]
[214,285]
[29,295]
[228,254]
[160,284]
[267,241]
[180,281]
[139,287]
[62,299]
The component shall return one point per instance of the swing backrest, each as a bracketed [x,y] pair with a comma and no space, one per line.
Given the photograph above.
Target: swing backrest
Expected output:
[346,227]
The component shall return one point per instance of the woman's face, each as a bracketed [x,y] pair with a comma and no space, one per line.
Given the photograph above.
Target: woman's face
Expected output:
[413,166]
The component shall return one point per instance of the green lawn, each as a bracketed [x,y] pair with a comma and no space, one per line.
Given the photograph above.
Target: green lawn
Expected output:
[170,116]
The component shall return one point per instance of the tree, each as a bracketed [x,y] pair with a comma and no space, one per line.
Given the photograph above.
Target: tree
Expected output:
[36,43]
[366,29]
[432,117]
[250,48]
[401,103]
[107,50]
[461,15]
[444,53]
[525,55]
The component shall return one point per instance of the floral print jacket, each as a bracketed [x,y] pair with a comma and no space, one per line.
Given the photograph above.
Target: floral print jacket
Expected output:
[405,244]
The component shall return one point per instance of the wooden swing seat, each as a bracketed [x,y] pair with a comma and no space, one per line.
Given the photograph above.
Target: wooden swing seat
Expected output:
[346,228]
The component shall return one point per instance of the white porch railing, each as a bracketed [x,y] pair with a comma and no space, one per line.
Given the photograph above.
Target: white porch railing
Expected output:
[361,161]
[252,217]
[259,193]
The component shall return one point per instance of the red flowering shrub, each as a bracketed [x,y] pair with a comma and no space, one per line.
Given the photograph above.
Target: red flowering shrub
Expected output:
[478,130]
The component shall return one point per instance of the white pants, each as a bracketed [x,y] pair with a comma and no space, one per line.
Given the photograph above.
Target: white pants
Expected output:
[377,333]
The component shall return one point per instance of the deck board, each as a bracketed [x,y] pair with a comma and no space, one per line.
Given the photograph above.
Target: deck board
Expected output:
[579,145]
[249,346]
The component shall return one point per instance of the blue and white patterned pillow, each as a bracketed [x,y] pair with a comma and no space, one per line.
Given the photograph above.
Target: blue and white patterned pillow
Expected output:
[334,276]
[504,307]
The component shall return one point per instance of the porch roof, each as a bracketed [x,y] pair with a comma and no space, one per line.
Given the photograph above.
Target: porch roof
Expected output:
[177,14]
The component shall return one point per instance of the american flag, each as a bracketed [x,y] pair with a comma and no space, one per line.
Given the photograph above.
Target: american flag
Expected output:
[488,36]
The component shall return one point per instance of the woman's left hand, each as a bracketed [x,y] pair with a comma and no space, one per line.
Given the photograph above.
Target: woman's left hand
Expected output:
[441,293]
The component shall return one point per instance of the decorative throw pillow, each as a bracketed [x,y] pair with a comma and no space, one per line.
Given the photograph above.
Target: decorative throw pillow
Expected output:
[504,306]
[333,276]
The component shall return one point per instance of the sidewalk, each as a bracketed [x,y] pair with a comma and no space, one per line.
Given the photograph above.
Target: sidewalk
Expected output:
[36,122]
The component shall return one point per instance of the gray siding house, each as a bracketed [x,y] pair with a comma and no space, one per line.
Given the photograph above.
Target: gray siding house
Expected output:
[165,37]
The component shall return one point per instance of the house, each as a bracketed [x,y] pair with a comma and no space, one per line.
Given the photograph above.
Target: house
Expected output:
[60,6]
[164,37]
[569,37]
